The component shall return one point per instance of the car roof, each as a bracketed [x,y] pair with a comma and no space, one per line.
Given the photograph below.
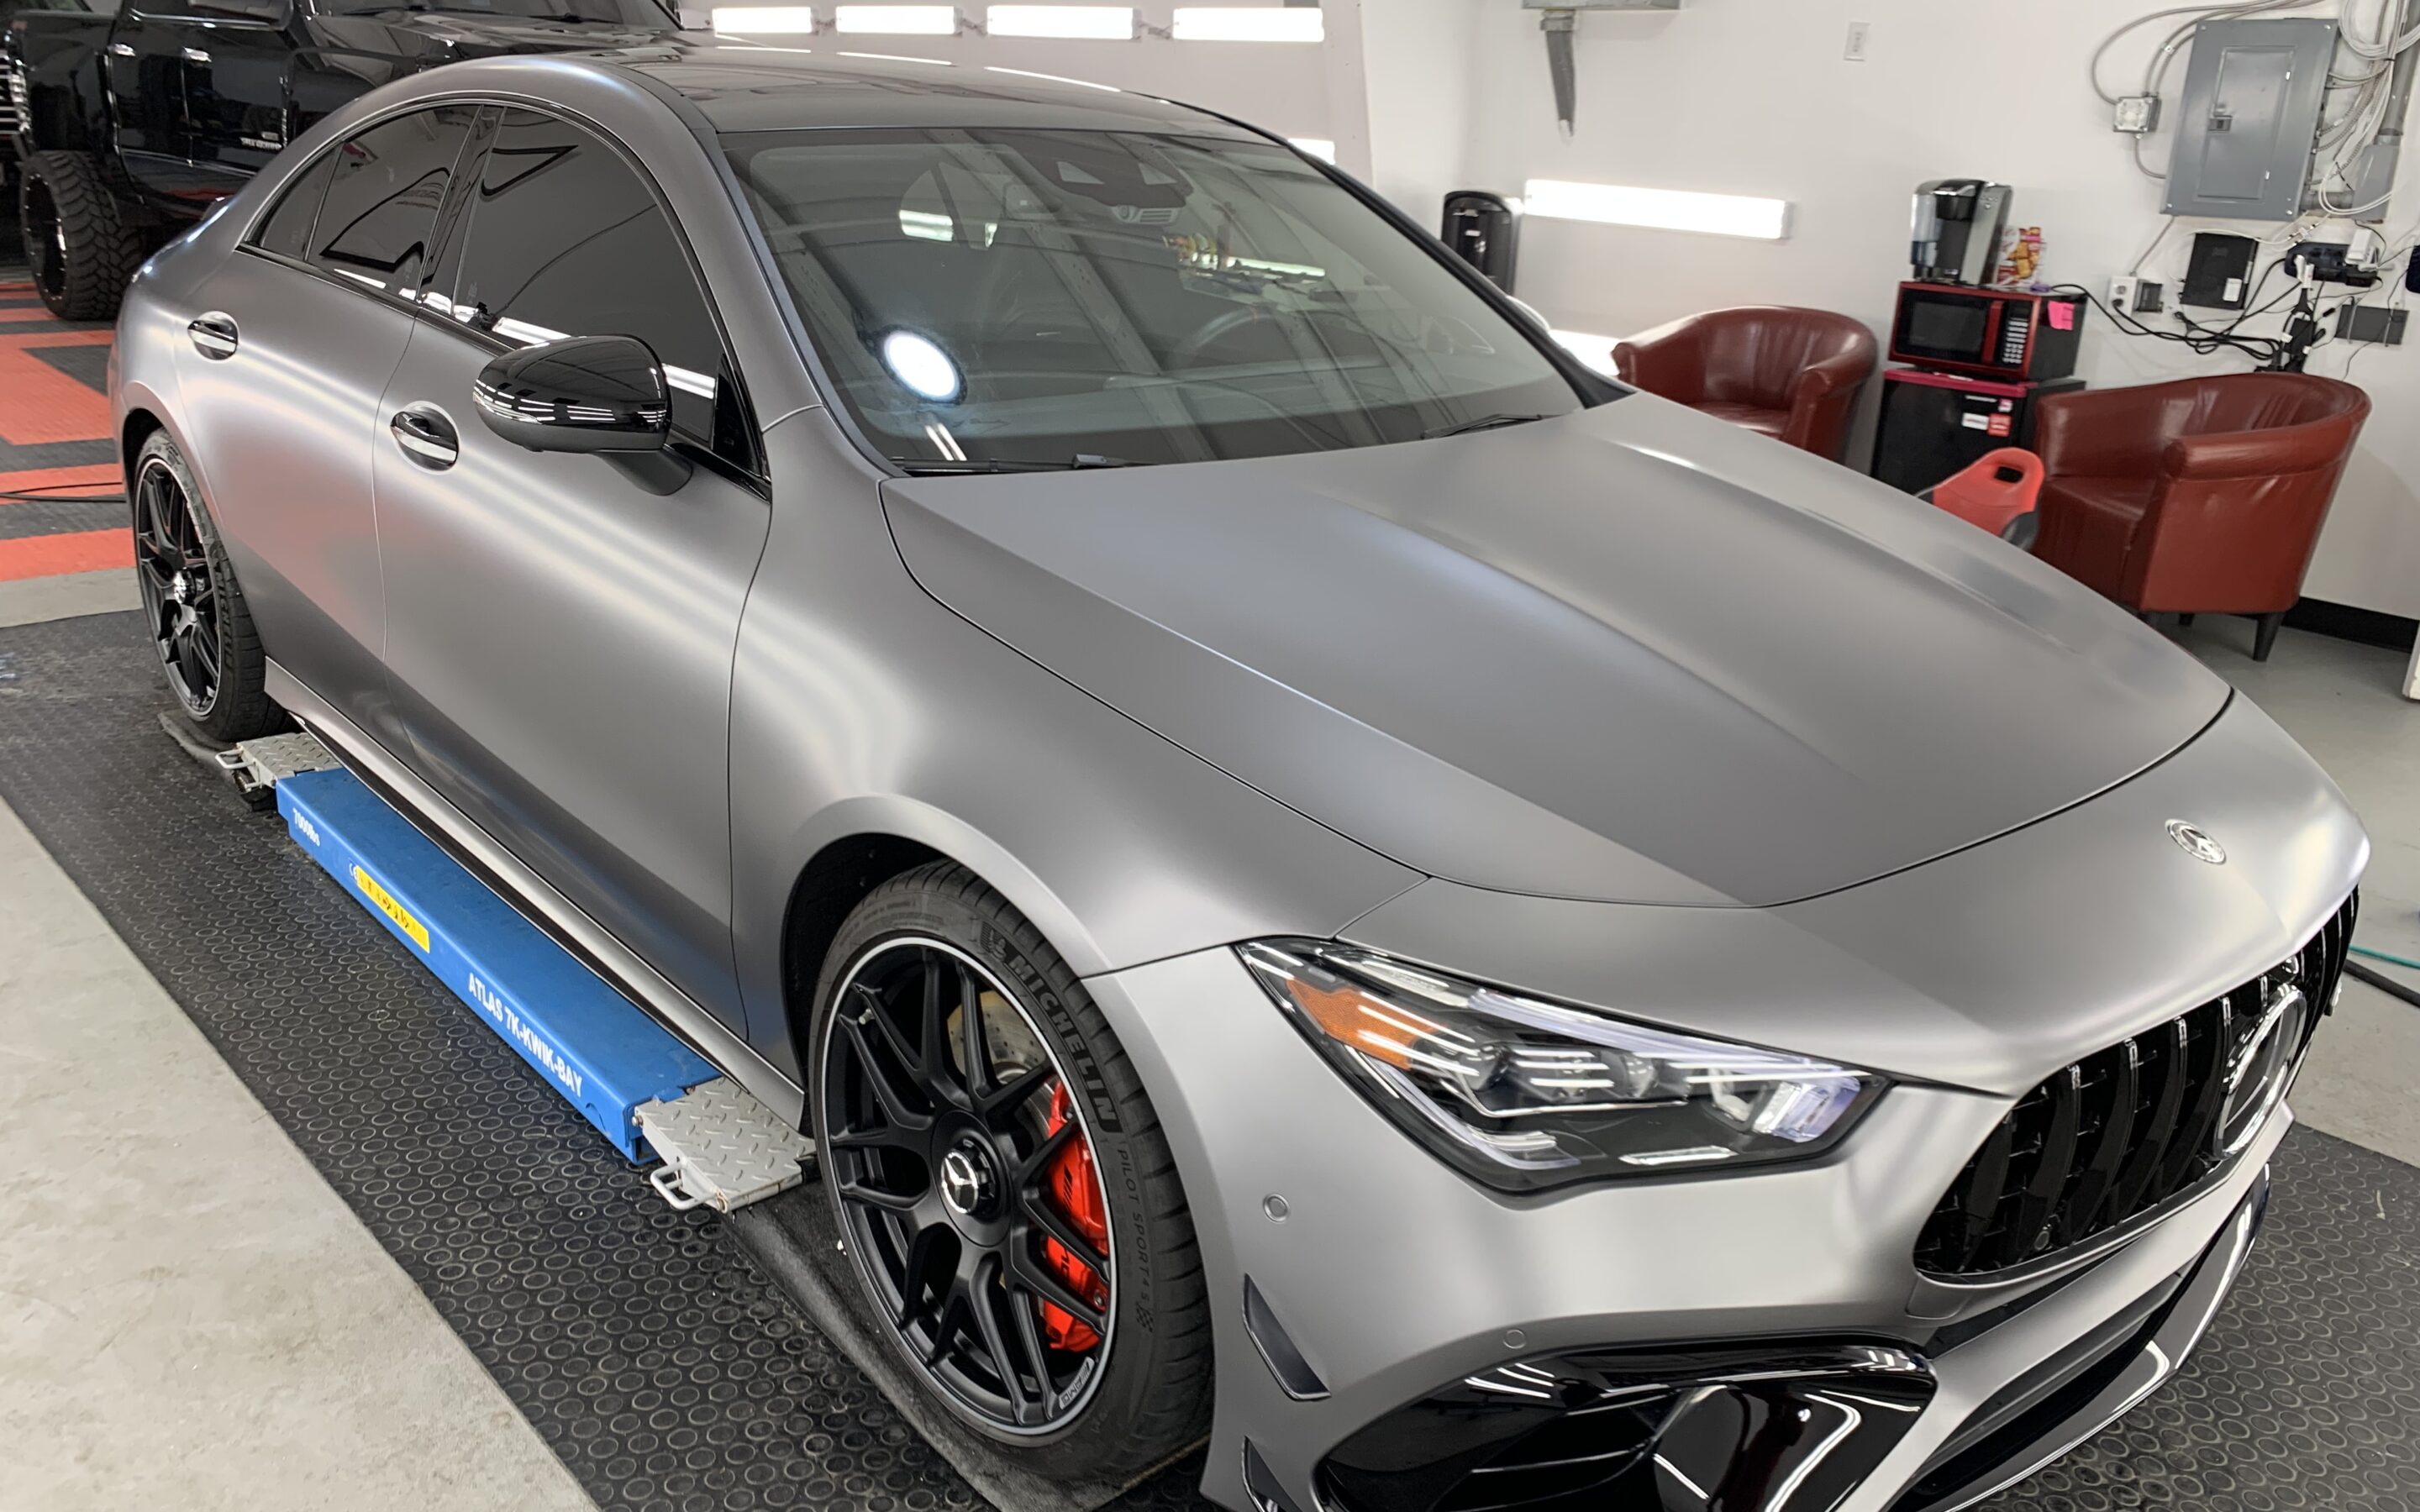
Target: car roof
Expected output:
[743,86]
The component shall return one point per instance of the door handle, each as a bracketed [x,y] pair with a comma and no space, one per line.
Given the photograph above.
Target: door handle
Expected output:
[426,436]
[215,335]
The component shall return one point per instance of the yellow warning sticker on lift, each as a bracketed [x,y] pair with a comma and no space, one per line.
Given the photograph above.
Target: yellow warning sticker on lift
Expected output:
[386,904]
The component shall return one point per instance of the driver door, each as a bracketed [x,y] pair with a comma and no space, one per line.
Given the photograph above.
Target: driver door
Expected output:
[560,638]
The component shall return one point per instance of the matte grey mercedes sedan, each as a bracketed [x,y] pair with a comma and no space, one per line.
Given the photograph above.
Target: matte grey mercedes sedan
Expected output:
[1324,880]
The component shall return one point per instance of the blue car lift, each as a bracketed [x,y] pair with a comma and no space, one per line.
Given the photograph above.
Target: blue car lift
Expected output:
[644,1090]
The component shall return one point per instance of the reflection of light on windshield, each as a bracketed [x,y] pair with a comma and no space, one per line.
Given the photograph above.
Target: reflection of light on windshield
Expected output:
[925,368]
[943,441]
[926,226]
[1260,265]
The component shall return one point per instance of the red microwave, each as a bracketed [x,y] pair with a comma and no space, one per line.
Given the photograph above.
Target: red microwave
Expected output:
[2002,334]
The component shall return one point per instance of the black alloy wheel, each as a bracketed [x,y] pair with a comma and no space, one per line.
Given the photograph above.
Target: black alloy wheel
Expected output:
[968,1185]
[44,239]
[181,593]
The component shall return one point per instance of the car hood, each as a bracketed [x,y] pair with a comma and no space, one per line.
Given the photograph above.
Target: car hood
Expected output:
[1629,655]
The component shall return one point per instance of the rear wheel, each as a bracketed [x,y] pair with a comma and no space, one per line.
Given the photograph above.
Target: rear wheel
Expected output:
[77,240]
[1003,1185]
[192,610]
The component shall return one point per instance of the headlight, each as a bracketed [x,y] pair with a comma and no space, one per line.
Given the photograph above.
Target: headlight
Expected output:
[1525,1095]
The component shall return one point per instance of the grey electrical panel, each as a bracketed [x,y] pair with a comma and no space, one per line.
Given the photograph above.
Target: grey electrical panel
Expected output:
[2250,118]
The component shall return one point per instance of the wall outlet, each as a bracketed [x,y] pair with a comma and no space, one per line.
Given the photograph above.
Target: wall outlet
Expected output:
[1859,31]
[2129,295]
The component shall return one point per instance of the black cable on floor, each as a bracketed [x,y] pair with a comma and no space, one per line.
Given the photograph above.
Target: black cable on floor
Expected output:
[52,496]
[2383,982]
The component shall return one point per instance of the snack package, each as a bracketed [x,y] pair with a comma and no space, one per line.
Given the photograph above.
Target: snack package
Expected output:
[2024,261]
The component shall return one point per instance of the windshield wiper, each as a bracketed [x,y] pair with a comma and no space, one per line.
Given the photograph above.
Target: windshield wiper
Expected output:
[1483,423]
[920,467]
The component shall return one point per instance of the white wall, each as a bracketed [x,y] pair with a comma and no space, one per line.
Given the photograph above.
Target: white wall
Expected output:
[1754,97]
[1280,86]
[1400,83]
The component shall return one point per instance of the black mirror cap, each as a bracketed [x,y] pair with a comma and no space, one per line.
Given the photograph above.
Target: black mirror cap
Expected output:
[582,394]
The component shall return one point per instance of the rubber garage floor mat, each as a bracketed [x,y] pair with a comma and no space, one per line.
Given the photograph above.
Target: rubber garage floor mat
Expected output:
[669,1372]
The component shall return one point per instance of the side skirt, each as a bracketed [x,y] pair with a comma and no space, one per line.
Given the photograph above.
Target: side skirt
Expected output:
[530,895]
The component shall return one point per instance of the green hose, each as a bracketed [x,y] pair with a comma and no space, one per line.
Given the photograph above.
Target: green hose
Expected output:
[2381,955]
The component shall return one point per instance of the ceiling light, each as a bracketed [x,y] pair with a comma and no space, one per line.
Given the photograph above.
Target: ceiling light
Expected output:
[1107,23]
[1662,209]
[764,21]
[899,57]
[1249,23]
[1318,146]
[897,21]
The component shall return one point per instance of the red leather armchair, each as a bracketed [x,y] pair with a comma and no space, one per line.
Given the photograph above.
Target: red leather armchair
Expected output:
[1790,374]
[2204,496]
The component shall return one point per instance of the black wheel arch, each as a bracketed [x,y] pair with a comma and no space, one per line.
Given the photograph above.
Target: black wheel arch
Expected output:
[838,878]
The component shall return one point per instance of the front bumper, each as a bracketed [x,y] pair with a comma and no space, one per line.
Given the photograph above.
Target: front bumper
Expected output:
[1792,1423]
[1378,1275]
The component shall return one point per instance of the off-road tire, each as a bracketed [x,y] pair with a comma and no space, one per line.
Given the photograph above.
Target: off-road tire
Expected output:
[1152,1400]
[81,269]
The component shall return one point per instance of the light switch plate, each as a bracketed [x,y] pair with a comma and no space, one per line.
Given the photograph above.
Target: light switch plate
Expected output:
[1859,31]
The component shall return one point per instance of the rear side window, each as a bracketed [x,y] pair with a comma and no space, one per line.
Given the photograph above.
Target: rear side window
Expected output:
[385,187]
[287,230]
[564,239]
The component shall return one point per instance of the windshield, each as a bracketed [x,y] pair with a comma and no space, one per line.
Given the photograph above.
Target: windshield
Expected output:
[644,14]
[1001,299]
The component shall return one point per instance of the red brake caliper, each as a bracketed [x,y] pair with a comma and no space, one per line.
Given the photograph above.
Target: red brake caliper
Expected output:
[1074,1183]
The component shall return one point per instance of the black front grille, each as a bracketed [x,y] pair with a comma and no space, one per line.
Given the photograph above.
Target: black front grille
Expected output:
[2119,1134]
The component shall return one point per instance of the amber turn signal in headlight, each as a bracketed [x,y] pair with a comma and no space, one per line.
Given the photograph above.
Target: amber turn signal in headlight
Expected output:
[1525,1094]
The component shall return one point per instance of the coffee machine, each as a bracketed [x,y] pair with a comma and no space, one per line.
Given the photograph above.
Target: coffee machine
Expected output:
[1956,233]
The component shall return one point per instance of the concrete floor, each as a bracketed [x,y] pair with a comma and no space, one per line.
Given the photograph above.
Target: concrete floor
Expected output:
[188,1314]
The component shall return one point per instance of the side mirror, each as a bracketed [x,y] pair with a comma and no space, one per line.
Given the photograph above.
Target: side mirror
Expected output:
[601,394]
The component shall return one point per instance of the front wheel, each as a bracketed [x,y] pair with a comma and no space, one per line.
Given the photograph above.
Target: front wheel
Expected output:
[192,610]
[1003,1185]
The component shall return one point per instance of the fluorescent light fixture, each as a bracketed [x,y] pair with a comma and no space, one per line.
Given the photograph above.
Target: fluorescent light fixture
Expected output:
[1318,146]
[1661,209]
[900,57]
[764,21]
[1596,352]
[1249,23]
[1054,78]
[896,21]
[1104,24]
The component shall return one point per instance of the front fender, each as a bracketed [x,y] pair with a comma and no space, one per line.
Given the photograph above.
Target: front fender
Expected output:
[861,705]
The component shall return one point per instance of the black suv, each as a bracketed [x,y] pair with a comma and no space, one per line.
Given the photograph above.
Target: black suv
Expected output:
[131,125]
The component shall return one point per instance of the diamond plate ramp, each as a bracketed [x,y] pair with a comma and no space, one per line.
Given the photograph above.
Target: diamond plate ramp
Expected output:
[669,1372]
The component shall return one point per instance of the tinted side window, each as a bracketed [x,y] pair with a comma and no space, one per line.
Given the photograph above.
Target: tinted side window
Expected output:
[214,9]
[288,229]
[565,240]
[383,192]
